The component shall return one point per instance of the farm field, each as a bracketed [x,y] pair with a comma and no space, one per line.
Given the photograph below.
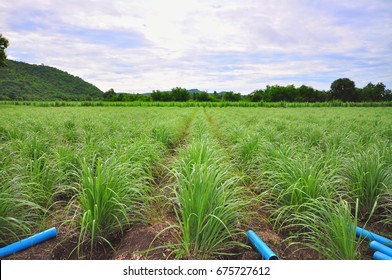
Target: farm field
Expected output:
[187,183]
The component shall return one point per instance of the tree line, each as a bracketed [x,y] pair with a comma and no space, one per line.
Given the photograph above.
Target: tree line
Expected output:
[342,89]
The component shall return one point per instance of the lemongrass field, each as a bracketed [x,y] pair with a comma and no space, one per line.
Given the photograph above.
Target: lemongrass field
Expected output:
[307,175]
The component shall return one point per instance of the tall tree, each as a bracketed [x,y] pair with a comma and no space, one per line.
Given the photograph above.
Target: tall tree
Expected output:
[180,94]
[257,95]
[343,89]
[3,45]
[156,95]
[372,92]
[305,94]
[280,93]
[201,96]
[110,95]
[231,96]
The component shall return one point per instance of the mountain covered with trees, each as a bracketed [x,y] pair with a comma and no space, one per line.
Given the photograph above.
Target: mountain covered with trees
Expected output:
[23,81]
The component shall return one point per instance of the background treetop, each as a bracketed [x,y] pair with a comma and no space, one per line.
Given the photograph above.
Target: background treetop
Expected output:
[4,43]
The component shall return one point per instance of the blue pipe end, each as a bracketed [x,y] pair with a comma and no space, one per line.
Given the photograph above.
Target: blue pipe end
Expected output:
[380,256]
[260,246]
[377,246]
[28,242]
[373,236]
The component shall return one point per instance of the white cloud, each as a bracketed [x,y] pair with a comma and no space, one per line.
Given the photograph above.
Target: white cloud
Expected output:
[138,46]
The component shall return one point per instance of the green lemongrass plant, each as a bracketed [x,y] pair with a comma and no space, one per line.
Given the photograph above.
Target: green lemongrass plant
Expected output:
[18,213]
[386,198]
[327,227]
[66,163]
[369,175]
[296,179]
[41,178]
[386,205]
[247,149]
[110,198]
[209,204]
[167,135]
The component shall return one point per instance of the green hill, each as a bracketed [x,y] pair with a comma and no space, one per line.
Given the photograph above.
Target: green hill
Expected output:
[23,81]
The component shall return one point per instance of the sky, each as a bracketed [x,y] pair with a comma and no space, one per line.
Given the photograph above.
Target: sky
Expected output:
[213,45]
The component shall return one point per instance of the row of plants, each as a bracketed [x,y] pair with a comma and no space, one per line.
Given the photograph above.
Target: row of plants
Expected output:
[319,173]
[220,104]
[93,168]
[208,200]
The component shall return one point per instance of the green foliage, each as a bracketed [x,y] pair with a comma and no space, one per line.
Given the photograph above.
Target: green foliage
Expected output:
[180,94]
[329,229]
[312,169]
[369,175]
[231,96]
[344,89]
[109,95]
[4,43]
[22,81]
[210,205]
[386,205]
[86,158]
[281,93]
[318,171]
[18,213]
[201,96]
[372,92]
[108,199]
[167,134]
[297,179]
[247,148]
[220,104]
[158,95]
[40,180]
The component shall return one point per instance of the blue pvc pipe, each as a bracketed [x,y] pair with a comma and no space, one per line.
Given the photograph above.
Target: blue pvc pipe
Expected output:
[376,246]
[261,247]
[380,256]
[27,242]
[373,237]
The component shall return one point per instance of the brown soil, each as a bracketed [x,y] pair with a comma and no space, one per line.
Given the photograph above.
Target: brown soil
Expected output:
[153,242]
[143,242]
[60,248]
